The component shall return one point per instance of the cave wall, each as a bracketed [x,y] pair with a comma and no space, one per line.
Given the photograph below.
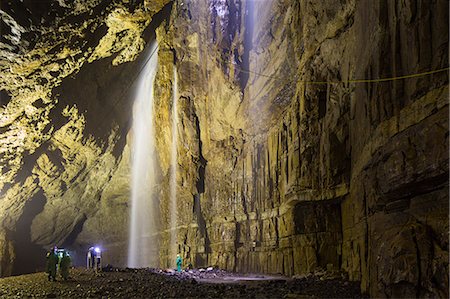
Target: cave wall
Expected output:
[278,171]
[280,176]
[67,70]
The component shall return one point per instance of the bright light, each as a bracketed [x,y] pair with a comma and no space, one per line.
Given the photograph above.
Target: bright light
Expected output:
[97,249]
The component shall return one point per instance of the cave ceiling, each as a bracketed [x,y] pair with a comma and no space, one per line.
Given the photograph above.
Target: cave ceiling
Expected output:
[43,45]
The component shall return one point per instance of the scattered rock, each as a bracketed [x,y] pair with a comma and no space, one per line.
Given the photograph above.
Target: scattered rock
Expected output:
[155,283]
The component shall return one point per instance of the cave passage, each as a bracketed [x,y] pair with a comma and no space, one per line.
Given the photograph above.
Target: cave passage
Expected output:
[225,148]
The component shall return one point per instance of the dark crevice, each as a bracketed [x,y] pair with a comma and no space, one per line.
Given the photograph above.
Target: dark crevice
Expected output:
[4,98]
[316,218]
[201,222]
[149,33]
[277,232]
[244,203]
[42,11]
[255,164]
[198,213]
[269,178]
[3,130]
[121,140]
[322,99]
[416,188]
[77,228]
[94,38]
[201,160]
[200,184]
[243,199]
[56,157]
[285,143]
[175,57]
[237,244]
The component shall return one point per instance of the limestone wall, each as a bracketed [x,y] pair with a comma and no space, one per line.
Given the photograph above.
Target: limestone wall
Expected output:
[284,177]
[278,171]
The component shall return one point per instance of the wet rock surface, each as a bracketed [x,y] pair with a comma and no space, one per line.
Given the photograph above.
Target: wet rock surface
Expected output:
[156,283]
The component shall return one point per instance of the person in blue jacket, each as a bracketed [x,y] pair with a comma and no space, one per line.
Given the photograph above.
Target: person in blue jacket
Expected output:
[179,262]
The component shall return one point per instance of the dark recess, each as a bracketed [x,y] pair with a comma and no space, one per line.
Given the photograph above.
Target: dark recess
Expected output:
[4,98]
[103,93]
[322,98]
[70,239]
[30,257]
[200,184]
[324,216]
[77,255]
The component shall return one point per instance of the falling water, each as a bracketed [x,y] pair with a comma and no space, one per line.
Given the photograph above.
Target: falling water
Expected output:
[142,247]
[173,169]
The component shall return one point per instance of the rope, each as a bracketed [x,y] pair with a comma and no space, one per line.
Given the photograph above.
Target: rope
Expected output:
[354,80]
[335,82]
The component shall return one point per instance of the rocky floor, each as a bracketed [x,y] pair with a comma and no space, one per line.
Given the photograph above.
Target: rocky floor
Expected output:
[154,283]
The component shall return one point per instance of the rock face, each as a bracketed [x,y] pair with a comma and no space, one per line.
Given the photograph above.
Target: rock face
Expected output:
[64,155]
[288,159]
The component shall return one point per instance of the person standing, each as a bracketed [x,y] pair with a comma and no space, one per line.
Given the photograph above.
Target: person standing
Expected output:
[179,262]
[52,262]
[89,258]
[64,265]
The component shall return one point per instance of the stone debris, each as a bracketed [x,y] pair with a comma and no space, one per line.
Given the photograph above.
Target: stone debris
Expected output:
[158,283]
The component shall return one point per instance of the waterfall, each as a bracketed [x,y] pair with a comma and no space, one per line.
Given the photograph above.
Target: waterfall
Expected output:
[142,245]
[173,170]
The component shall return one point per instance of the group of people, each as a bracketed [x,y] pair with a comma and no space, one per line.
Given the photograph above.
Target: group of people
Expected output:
[53,260]
[60,257]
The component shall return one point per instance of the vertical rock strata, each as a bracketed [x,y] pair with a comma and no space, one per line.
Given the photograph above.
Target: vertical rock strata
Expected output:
[278,170]
[280,176]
